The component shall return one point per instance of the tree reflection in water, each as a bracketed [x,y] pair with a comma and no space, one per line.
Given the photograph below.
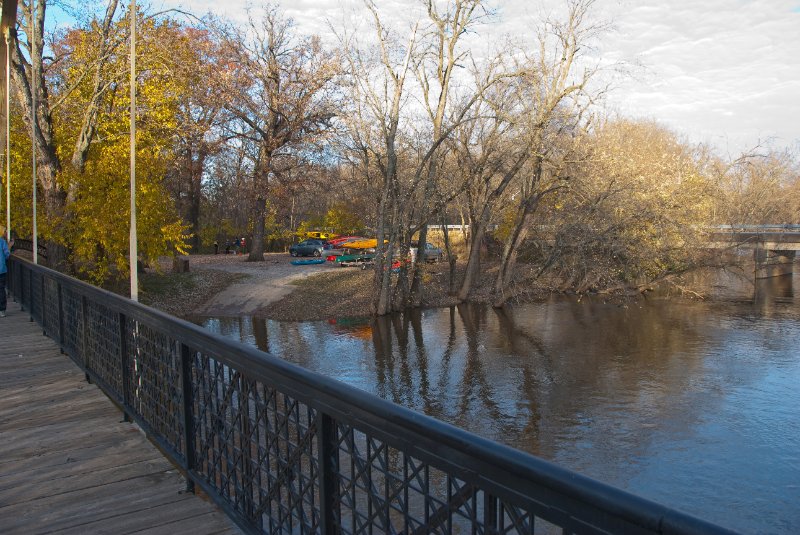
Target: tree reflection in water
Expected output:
[671,399]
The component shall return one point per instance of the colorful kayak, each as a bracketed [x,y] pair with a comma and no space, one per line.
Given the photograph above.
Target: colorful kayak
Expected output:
[307,262]
[338,242]
[317,235]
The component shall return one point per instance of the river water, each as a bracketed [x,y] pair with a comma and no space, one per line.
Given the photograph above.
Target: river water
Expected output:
[694,404]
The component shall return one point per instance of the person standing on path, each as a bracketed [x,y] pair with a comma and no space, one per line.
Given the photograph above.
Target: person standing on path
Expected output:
[5,252]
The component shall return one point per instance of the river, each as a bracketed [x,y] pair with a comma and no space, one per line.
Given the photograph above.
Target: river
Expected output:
[691,403]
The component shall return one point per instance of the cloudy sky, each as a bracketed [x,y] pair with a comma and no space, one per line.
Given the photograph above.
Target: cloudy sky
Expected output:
[721,71]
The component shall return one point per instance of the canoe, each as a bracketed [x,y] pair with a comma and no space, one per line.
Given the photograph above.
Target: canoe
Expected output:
[307,262]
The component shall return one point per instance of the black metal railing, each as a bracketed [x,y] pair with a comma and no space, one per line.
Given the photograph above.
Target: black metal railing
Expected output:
[285,450]
[27,245]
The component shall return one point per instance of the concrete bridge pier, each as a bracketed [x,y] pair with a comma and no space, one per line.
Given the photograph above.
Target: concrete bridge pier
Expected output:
[772,262]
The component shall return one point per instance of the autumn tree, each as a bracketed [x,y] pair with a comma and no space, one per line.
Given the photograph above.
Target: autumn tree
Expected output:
[41,79]
[193,57]
[757,187]
[82,145]
[635,213]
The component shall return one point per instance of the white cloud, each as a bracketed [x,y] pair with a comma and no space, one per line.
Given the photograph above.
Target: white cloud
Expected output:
[714,70]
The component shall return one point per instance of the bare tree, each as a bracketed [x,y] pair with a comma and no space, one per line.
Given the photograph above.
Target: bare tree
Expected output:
[435,72]
[491,157]
[378,91]
[556,89]
[282,91]
[381,87]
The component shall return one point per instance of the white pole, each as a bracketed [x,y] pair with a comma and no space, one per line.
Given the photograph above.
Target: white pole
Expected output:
[33,127]
[133,253]
[8,133]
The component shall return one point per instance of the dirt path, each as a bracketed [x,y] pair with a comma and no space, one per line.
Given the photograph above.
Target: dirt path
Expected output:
[266,282]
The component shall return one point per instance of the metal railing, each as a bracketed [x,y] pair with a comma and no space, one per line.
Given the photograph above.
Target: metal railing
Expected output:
[285,450]
[27,245]
[783,227]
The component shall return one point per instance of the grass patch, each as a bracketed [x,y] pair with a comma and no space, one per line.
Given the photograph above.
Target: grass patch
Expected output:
[181,294]
[159,285]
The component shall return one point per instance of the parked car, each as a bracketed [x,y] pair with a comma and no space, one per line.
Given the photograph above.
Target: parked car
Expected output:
[307,248]
[432,254]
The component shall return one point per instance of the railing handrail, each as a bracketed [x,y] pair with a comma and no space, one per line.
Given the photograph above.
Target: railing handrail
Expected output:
[782,227]
[517,477]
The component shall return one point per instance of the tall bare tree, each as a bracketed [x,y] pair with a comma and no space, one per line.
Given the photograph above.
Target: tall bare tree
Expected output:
[378,90]
[283,92]
[382,87]
[557,94]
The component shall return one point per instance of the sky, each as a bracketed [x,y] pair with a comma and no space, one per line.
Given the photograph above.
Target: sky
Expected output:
[725,72]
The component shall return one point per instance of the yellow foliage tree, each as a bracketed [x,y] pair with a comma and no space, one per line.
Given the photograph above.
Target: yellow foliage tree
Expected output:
[95,220]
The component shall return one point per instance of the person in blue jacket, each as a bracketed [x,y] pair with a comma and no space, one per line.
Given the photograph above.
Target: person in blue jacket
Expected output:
[5,252]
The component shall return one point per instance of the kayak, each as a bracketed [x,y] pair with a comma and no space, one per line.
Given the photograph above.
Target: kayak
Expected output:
[338,242]
[362,244]
[307,262]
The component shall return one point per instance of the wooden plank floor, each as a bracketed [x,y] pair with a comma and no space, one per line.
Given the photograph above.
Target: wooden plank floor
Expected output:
[68,463]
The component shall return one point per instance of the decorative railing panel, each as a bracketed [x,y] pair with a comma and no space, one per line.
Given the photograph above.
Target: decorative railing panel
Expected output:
[50,308]
[103,347]
[154,381]
[285,450]
[35,292]
[72,328]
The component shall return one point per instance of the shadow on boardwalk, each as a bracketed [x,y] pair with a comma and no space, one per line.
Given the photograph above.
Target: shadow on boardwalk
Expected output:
[68,463]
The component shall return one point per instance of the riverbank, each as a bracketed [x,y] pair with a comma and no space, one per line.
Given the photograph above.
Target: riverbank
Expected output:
[228,285]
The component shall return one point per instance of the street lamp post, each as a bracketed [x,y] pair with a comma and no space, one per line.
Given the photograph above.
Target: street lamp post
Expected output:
[133,252]
[33,128]
[7,32]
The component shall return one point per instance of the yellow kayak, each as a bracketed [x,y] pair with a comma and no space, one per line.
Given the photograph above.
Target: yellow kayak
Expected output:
[363,244]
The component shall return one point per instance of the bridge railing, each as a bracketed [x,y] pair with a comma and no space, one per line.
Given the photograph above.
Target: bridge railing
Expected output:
[285,450]
[784,227]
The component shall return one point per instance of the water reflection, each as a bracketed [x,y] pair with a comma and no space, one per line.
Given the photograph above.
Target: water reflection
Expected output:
[693,404]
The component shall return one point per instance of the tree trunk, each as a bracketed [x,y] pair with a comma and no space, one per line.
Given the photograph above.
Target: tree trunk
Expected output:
[259,222]
[55,199]
[481,223]
[195,195]
[451,259]
[473,261]
[509,260]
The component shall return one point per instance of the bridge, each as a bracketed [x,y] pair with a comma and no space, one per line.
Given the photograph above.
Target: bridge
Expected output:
[774,246]
[277,448]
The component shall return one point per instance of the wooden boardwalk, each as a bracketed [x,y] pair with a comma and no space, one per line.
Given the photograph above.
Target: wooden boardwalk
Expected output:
[68,463]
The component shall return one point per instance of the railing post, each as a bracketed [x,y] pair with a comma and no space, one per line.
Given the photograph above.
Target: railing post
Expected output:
[123,359]
[12,284]
[328,459]
[187,398]
[60,318]
[42,308]
[246,447]
[30,293]
[84,351]
[490,519]
[18,288]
